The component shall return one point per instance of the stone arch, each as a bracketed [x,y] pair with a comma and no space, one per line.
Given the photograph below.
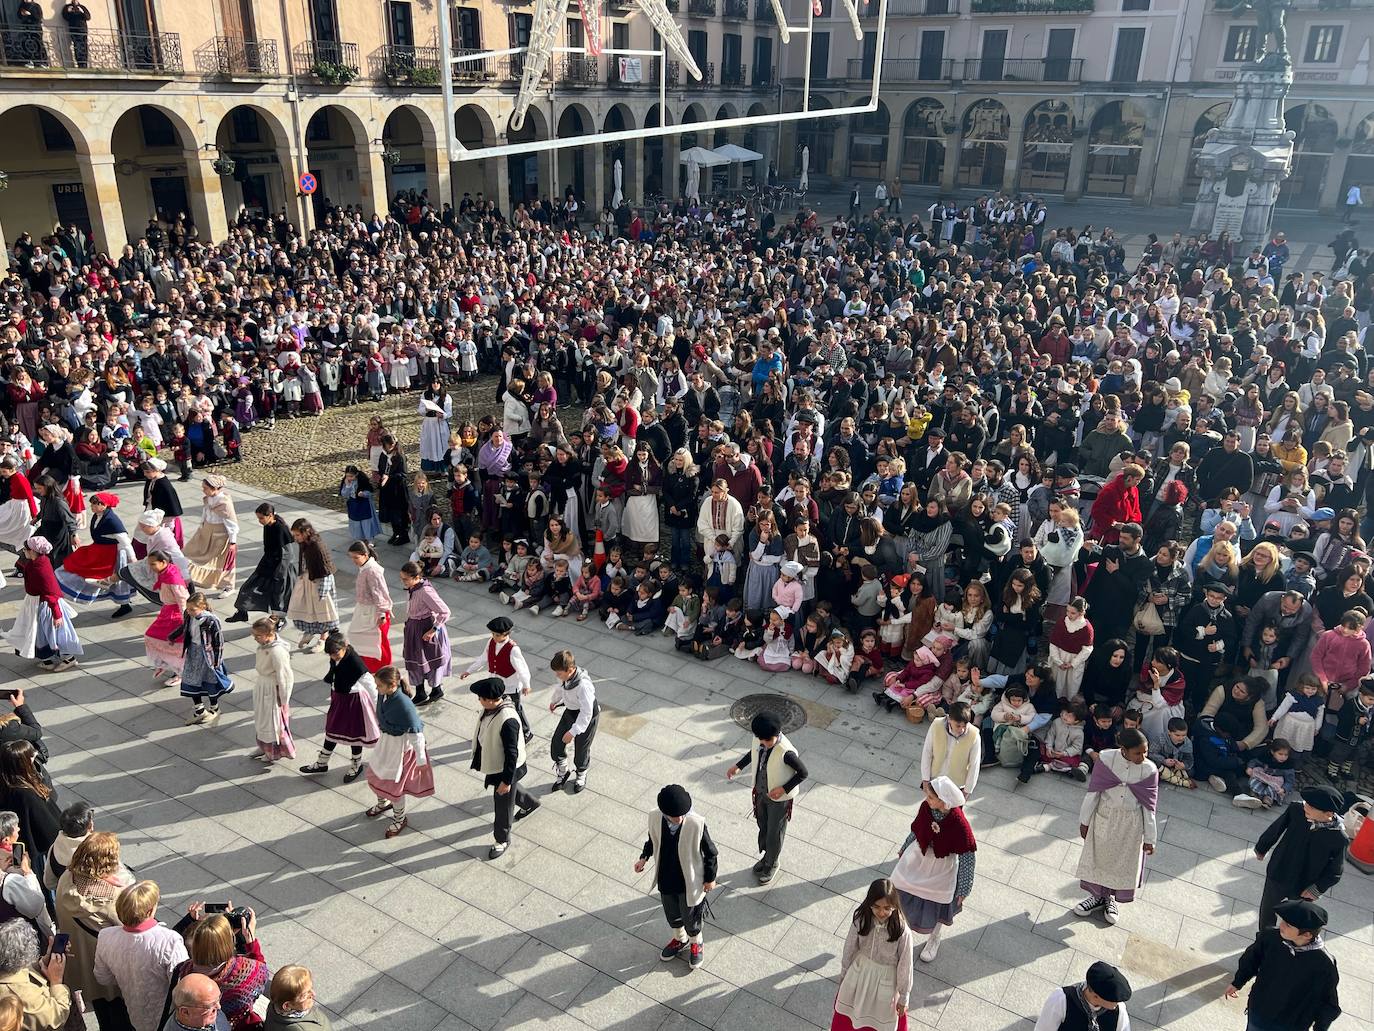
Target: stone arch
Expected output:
[409,135]
[986,127]
[337,142]
[922,159]
[575,163]
[1314,142]
[818,134]
[1050,128]
[526,172]
[260,146]
[868,134]
[1206,121]
[1359,166]
[656,149]
[473,126]
[149,144]
[1116,140]
[47,161]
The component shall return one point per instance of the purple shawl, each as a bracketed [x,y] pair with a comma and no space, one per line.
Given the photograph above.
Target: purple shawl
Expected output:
[1146,791]
[494,461]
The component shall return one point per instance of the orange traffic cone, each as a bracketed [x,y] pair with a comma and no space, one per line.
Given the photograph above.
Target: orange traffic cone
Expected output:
[1361,850]
[599,552]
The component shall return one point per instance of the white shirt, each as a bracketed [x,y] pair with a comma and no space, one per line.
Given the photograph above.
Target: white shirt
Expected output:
[1056,1008]
[1352,195]
[576,694]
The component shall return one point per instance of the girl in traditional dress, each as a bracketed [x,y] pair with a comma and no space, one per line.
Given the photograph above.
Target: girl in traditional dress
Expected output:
[1071,645]
[85,571]
[1301,713]
[311,608]
[159,493]
[428,656]
[203,675]
[212,550]
[151,534]
[436,409]
[43,628]
[57,523]
[272,694]
[1117,825]
[20,510]
[370,630]
[934,878]
[400,763]
[643,485]
[765,558]
[875,968]
[352,716]
[160,639]
[356,490]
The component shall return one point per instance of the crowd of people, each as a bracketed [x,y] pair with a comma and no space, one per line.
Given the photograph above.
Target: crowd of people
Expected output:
[1089,513]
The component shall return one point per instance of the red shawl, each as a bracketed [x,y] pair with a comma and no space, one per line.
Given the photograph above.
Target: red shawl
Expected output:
[952,836]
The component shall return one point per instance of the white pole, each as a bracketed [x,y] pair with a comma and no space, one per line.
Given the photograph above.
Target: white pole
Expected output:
[446,82]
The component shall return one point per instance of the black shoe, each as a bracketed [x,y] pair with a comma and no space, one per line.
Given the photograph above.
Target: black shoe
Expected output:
[436,695]
[421,700]
[315,768]
[520,814]
[879,698]
[238,617]
[498,850]
[121,612]
[561,779]
[529,736]
[354,773]
[767,874]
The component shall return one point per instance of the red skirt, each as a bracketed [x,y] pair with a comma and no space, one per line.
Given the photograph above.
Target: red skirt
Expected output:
[92,561]
[76,501]
[373,665]
[839,1022]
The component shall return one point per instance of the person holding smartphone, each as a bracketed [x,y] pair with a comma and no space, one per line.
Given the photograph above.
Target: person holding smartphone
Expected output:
[86,896]
[19,885]
[33,976]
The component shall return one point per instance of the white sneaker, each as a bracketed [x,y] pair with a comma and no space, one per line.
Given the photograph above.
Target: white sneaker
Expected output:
[534,610]
[558,610]
[1113,911]
[1089,906]
[1217,783]
[1247,802]
[505,598]
[932,947]
[197,718]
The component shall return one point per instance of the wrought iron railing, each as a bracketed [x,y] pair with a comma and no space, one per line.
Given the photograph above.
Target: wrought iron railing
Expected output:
[579,70]
[100,50]
[705,8]
[735,76]
[235,55]
[405,66]
[906,8]
[655,68]
[764,78]
[1023,69]
[708,76]
[763,11]
[475,69]
[736,8]
[903,69]
[328,61]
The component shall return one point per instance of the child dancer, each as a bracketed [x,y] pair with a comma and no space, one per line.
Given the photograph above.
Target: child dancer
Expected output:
[159,640]
[202,660]
[428,656]
[400,763]
[352,716]
[575,694]
[272,694]
[356,490]
[370,629]
[503,658]
[312,608]
[43,628]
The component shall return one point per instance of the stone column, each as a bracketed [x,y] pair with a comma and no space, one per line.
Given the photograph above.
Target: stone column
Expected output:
[205,194]
[1332,200]
[598,196]
[1078,166]
[1012,170]
[372,177]
[892,169]
[838,165]
[498,184]
[1145,173]
[672,155]
[954,150]
[634,172]
[102,201]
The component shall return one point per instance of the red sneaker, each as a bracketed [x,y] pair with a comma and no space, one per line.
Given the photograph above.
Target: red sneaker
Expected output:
[672,950]
[695,958]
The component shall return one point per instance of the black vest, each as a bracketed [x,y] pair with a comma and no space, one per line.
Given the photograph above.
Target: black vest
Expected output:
[1076,1020]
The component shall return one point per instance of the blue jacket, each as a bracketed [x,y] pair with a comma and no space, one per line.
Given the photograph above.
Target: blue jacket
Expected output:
[397,715]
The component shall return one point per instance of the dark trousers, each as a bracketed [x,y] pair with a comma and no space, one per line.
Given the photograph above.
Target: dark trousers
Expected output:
[111,1015]
[772,820]
[1274,893]
[582,744]
[1032,757]
[680,914]
[1212,761]
[516,797]
[515,696]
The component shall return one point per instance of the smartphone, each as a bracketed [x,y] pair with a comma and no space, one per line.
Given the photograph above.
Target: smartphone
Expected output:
[17,852]
[216,907]
[59,943]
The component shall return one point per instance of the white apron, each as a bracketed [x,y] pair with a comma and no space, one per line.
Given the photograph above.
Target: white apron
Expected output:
[16,525]
[363,632]
[866,993]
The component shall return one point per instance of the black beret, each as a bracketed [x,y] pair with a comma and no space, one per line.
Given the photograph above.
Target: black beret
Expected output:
[1220,588]
[500,625]
[674,801]
[1304,915]
[1327,799]
[1108,982]
[489,687]
[765,725]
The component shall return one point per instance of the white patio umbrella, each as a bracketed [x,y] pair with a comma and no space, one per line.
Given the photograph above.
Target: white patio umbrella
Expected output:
[703,157]
[618,174]
[730,152]
[806,162]
[693,191]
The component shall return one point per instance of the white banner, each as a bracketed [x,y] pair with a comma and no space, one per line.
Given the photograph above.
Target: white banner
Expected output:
[631,69]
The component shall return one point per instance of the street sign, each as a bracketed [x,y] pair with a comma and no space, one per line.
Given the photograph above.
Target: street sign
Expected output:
[308,183]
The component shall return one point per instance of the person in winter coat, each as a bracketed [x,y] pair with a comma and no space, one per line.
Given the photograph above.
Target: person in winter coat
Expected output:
[136,956]
[1295,977]
[1117,504]
[1307,843]
[86,898]
[292,1004]
[1204,637]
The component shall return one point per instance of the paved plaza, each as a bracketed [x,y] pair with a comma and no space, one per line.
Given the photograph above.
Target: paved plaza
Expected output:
[423,932]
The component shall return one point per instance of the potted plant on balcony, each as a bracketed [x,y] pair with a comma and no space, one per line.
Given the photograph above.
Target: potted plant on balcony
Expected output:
[424,76]
[332,73]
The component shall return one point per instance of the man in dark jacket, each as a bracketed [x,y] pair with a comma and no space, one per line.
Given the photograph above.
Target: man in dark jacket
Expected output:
[1308,845]
[1226,466]
[1123,570]
[1295,977]
[1205,636]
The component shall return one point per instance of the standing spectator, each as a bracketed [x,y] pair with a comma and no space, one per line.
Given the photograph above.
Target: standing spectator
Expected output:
[229,954]
[26,789]
[137,957]
[86,903]
[32,978]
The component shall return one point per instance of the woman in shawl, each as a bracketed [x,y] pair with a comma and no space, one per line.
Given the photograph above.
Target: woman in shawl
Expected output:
[159,493]
[160,639]
[1117,825]
[57,524]
[400,763]
[436,409]
[1107,677]
[19,510]
[43,629]
[934,878]
[428,655]
[213,549]
[370,630]
[930,543]
[202,660]
[493,461]
[272,694]
[352,716]
[85,570]
[765,546]
[643,485]
[311,608]
[239,970]
[875,968]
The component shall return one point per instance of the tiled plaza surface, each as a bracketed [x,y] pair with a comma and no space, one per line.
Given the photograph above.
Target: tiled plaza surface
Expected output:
[423,932]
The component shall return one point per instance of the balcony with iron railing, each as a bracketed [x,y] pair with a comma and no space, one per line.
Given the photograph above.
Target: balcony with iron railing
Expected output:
[708,76]
[701,8]
[903,69]
[405,66]
[763,78]
[327,61]
[734,76]
[1023,69]
[763,11]
[908,8]
[475,70]
[234,56]
[98,51]
[735,8]
[1031,6]
[579,70]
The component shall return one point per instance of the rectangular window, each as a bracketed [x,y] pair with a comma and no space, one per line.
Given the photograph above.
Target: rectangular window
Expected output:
[932,55]
[467,27]
[820,55]
[1135,5]
[245,125]
[1059,54]
[1240,44]
[575,33]
[763,59]
[520,25]
[324,21]
[993,58]
[696,46]
[400,27]
[1323,44]
[1130,46]
[870,54]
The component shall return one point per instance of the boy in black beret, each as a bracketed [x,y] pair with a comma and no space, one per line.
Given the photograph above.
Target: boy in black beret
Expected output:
[685,861]
[498,753]
[1308,845]
[1295,977]
[1097,1003]
[778,773]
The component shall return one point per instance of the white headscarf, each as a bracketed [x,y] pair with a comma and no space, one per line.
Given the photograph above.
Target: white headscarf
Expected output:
[947,792]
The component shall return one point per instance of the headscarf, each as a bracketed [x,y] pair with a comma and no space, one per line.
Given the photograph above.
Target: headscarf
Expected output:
[107,499]
[39,545]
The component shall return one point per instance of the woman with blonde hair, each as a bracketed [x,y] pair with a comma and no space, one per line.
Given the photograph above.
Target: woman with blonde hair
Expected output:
[292,1003]
[86,902]
[1219,566]
[230,957]
[1260,573]
[136,957]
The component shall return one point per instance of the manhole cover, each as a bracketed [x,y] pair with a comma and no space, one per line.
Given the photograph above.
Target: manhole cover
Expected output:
[789,713]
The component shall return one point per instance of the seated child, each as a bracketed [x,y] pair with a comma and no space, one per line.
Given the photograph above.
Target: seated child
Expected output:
[684,612]
[559,592]
[615,602]
[586,593]
[475,562]
[810,639]
[721,567]
[956,685]
[978,698]
[647,611]
[1100,733]
[930,663]
[1172,752]
[1353,729]
[1263,661]
[774,648]
[533,588]
[1271,774]
[1010,718]
[613,566]
[1061,746]
[429,551]
[893,618]
[836,661]
[512,572]
[724,634]
[1299,716]
[868,661]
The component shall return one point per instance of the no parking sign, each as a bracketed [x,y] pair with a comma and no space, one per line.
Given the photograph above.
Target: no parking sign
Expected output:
[307,183]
